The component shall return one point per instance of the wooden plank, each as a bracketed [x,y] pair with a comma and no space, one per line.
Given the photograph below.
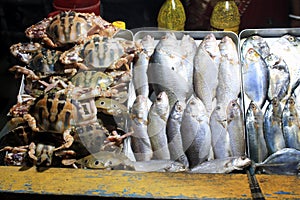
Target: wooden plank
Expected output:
[118,183]
[279,186]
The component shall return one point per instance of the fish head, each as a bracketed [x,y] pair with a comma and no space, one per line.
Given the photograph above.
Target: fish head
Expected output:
[241,162]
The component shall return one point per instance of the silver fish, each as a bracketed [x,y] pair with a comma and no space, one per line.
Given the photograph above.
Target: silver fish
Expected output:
[206,68]
[229,83]
[195,132]
[166,71]
[279,80]
[174,134]
[220,140]
[140,66]
[285,161]
[210,45]
[224,165]
[256,42]
[290,124]
[254,126]
[159,166]
[157,117]
[236,128]
[228,48]
[255,77]
[188,46]
[140,141]
[287,48]
[273,126]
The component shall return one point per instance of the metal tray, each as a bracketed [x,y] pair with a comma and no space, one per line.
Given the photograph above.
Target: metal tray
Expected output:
[270,35]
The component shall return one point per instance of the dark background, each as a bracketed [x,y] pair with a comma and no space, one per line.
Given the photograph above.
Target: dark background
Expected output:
[17,15]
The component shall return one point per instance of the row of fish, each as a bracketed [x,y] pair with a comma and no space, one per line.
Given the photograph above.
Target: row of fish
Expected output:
[187,105]
[271,75]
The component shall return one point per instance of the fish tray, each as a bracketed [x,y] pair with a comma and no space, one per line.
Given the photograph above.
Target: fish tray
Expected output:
[270,36]
[198,36]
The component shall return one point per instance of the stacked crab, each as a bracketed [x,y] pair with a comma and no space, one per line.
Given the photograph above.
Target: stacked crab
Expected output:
[74,87]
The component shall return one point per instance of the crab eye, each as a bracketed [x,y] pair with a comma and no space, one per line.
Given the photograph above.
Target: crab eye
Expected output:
[97,162]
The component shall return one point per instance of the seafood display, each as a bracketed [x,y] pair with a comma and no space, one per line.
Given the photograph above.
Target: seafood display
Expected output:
[166,102]
[193,86]
[270,73]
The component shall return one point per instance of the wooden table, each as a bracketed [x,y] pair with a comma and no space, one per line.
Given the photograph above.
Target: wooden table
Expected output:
[57,183]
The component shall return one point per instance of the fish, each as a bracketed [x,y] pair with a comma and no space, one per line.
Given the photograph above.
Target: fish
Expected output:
[285,161]
[220,139]
[119,161]
[279,77]
[210,45]
[159,166]
[273,126]
[222,165]
[229,75]
[166,71]
[255,78]
[287,48]
[188,46]
[257,146]
[195,132]
[228,48]
[206,68]
[290,124]
[256,42]
[174,134]
[140,66]
[157,118]
[236,128]
[140,141]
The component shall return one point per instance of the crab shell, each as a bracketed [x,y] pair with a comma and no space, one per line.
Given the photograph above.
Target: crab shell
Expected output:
[98,52]
[69,27]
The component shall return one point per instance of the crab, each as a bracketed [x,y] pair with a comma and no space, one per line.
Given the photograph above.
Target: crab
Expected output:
[69,27]
[113,85]
[101,53]
[40,62]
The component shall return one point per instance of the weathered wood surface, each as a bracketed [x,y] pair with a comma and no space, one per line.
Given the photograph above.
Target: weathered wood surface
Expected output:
[279,186]
[62,181]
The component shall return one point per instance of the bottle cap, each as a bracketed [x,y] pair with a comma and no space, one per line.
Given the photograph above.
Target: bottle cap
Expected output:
[119,24]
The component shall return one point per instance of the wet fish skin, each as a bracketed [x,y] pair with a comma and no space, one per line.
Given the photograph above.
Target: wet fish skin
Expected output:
[140,141]
[273,126]
[206,68]
[228,48]
[220,140]
[195,132]
[258,43]
[255,78]
[157,117]
[140,66]
[166,71]
[159,166]
[279,81]
[254,126]
[188,46]
[290,124]
[286,48]
[174,134]
[285,161]
[236,128]
[224,165]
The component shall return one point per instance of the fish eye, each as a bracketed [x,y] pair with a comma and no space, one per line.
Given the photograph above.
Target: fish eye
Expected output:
[97,162]
[102,103]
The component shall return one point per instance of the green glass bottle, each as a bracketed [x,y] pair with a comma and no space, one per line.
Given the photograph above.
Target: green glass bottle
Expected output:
[225,16]
[171,15]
